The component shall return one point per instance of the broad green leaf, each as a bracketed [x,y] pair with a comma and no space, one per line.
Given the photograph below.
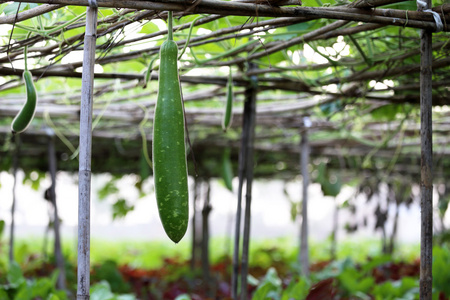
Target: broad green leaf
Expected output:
[41,287]
[183,297]
[149,27]
[3,294]
[296,290]
[108,189]
[24,293]
[101,291]
[12,8]
[121,208]
[52,297]
[2,227]
[387,112]
[441,272]
[269,287]
[15,276]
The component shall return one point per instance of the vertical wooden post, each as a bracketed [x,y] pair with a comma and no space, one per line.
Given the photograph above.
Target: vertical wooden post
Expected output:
[206,265]
[250,115]
[61,283]
[426,130]
[237,230]
[245,173]
[15,163]
[84,174]
[194,243]
[303,256]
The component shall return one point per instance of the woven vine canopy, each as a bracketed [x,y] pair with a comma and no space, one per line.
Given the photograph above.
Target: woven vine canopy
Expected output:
[351,68]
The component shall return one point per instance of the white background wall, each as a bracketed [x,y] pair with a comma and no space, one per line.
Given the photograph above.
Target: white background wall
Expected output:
[270,210]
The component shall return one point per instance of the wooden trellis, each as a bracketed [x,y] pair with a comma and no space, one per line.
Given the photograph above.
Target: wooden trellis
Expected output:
[282,114]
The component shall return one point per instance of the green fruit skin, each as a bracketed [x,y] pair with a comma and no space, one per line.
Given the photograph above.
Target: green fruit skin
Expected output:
[26,114]
[229,107]
[227,170]
[169,150]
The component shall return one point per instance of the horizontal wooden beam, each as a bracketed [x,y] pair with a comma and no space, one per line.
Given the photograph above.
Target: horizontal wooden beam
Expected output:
[393,17]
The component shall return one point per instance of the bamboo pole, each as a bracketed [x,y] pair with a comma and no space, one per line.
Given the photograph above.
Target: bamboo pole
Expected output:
[208,280]
[381,16]
[194,241]
[250,119]
[426,187]
[237,229]
[61,283]
[303,256]
[243,174]
[84,185]
[14,198]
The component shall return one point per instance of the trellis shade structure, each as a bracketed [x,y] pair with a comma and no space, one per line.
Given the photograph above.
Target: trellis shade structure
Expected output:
[354,68]
[357,12]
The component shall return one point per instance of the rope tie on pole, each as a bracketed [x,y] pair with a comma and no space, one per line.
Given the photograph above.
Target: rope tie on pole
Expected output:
[93,3]
[422,5]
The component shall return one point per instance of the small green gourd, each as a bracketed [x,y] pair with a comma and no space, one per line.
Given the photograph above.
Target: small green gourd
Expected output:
[24,117]
[229,105]
[227,169]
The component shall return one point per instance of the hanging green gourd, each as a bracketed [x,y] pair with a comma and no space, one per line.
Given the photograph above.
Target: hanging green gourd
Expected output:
[169,149]
[26,114]
[227,169]
[229,105]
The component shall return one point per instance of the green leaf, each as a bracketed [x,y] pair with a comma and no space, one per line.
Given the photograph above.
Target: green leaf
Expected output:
[121,208]
[15,275]
[384,291]
[331,107]
[108,189]
[52,297]
[269,287]
[266,291]
[101,291]
[441,272]
[2,228]
[149,27]
[109,272]
[12,8]
[41,287]
[24,293]
[387,112]
[296,290]
[183,297]
[3,294]
[34,179]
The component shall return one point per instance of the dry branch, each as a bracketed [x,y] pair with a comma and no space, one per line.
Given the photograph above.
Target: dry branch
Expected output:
[29,13]
[416,20]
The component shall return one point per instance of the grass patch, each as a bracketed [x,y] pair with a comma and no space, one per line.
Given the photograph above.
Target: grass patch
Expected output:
[151,254]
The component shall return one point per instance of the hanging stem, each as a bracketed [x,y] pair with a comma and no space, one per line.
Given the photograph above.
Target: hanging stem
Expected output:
[170,26]
[61,283]
[25,57]
[189,36]
[25,53]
